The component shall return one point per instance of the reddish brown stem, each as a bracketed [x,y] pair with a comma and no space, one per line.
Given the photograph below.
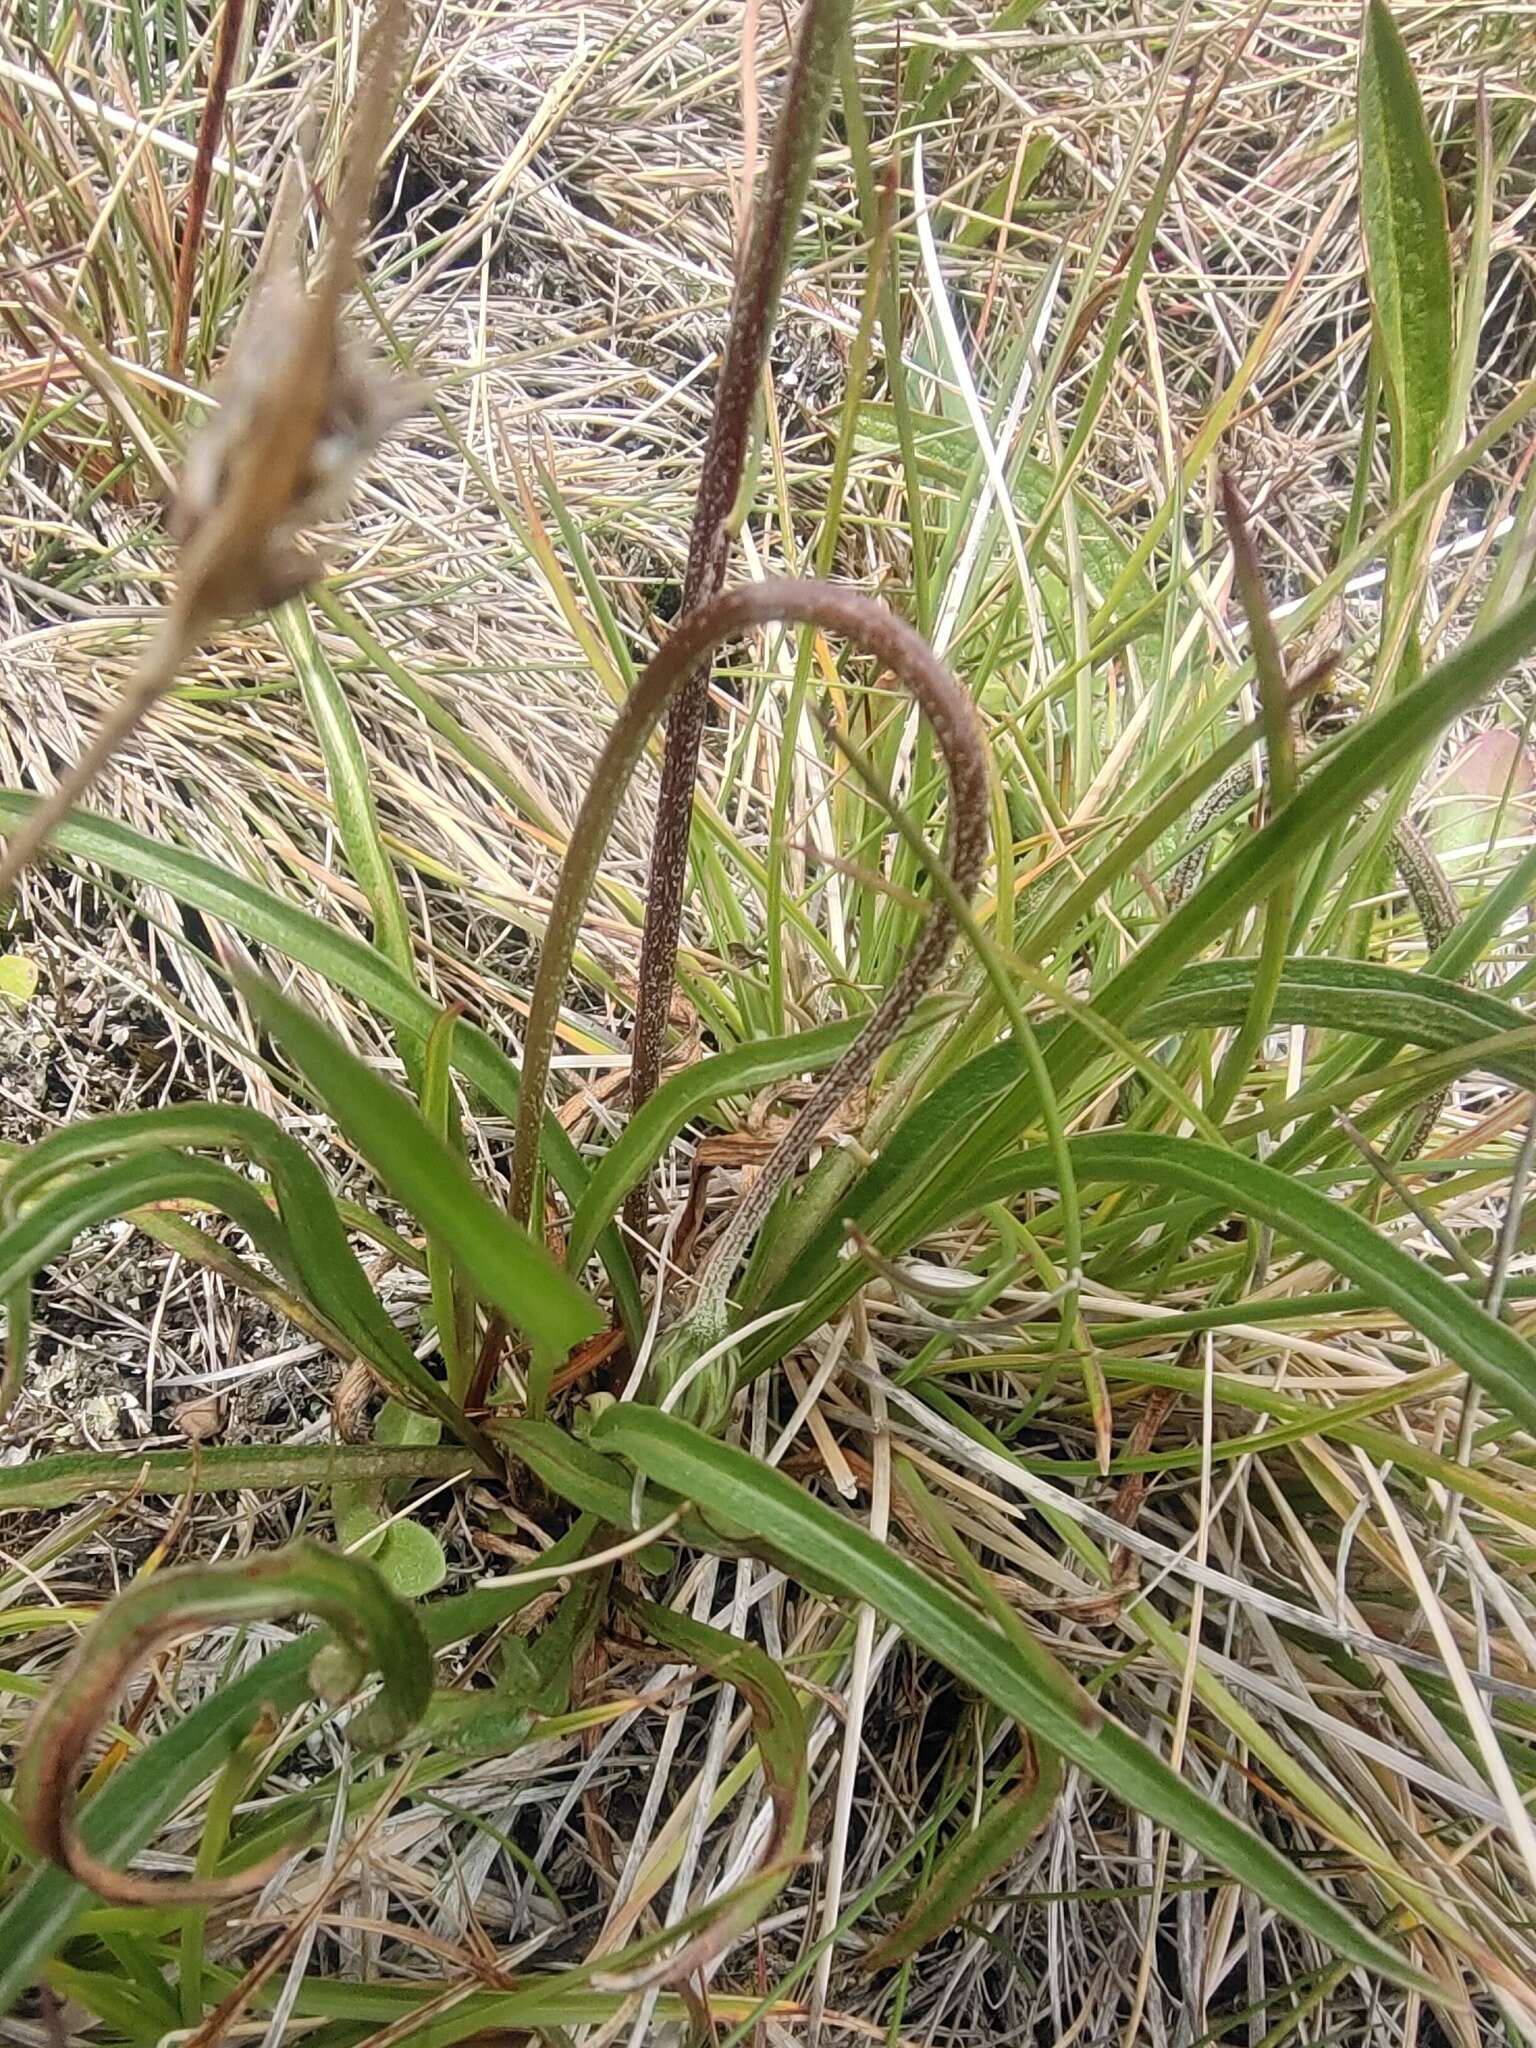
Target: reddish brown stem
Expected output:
[957,729]
[776,214]
[231,22]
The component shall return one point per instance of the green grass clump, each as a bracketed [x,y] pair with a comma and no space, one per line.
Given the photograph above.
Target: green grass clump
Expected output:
[1005,1457]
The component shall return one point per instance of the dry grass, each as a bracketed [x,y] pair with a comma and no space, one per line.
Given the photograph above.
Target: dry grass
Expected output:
[554,256]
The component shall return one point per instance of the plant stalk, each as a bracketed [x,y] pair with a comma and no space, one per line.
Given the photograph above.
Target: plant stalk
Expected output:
[956,727]
[776,214]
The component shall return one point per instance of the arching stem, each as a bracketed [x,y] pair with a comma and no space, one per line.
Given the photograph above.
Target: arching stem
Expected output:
[823,32]
[956,728]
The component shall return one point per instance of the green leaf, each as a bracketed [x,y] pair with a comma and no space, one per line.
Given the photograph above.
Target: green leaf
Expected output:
[828,1552]
[478,1723]
[398,1424]
[357,814]
[383,1634]
[69,1476]
[698,1088]
[411,1560]
[359,1531]
[1298,1419]
[1489,1352]
[18,978]
[1016,183]
[1408,251]
[972,1860]
[1372,753]
[1396,1005]
[509,1269]
[959,72]
[453,1301]
[51,1225]
[348,963]
[1358,996]
[572,1469]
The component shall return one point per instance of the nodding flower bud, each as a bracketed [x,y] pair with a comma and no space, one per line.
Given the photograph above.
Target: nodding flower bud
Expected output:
[300,412]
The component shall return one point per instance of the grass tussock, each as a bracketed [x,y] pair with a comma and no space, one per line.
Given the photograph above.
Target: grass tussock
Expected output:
[1078,1585]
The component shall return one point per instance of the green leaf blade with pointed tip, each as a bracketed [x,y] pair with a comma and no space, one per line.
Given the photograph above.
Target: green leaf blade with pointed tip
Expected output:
[509,1269]
[1408,251]
[312,1245]
[828,1551]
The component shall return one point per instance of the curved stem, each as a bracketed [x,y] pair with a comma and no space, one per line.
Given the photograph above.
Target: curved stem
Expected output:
[956,728]
[780,198]
[304,1578]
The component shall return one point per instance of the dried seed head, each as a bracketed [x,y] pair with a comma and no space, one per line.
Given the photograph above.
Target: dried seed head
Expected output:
[299,414]
[300,408]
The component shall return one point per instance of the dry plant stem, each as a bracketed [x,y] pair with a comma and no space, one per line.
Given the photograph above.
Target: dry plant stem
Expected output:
[173,641]
[239,553]
[780,197]
[231,22]
[958,731]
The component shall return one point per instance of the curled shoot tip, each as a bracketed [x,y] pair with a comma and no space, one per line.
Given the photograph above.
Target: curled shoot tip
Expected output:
[380,1630]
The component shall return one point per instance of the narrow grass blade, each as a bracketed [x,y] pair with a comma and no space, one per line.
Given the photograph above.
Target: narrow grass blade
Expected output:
[511,1271]
[357,811]
[453,1302]
[349,963]
[497,773]
[1280,758]
[820,1547]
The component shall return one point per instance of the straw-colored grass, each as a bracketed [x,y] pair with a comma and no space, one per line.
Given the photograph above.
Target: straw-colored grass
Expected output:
[553,256]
